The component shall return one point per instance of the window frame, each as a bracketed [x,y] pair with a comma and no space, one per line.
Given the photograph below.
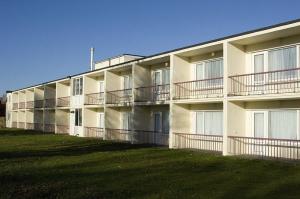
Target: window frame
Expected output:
[203,122]
[267,122]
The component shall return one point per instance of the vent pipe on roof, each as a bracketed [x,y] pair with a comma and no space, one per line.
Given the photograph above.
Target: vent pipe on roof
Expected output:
[92,58]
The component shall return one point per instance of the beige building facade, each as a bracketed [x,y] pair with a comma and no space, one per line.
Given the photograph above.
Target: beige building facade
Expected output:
[238,95]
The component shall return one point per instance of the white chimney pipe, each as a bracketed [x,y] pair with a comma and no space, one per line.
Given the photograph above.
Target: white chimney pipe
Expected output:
[92,58]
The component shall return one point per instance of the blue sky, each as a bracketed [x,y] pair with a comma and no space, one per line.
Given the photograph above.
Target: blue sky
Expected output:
[42,40]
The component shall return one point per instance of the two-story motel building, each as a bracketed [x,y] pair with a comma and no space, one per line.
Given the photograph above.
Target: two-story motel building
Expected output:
[238,95]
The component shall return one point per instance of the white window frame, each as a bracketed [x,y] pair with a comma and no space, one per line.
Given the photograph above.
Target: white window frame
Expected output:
[266,58]
[101,122]
[266,121]
[77,86]
[161,122]
[194,121]
[203,62]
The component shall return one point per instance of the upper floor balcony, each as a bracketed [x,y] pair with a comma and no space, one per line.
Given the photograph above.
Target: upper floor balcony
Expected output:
[119,97]
[155,93]
[30,104]
[63,101]
[50,103]
[21,105]
[94,98]
[204,88]
[38,103]
[262,83]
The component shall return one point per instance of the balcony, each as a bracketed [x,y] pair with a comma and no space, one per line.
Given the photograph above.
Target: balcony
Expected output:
[14,124]
[157,93]
[198,89]
[49,128]
[119,97]
[38,126]
[198,141]
[21,125]
[30,126]
[95,132]
[94,98]
[264,147]
[30,104]
[63,102]
[21,105]
[62,129]
[138,136]
[50,103]
[38,103]
[15,106]
[271,82]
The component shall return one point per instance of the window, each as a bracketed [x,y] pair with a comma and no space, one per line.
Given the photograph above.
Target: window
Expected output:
[161,76]
[101,120]
[161,122]
[77,86]
[277,124]
[283,124]
[127,84]
[78,117]
[209,122]
[126,120]
[209,69]
[276,59]
[259,66]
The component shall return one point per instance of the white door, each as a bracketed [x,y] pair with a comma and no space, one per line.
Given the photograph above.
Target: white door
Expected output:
[72,121]
[157,122]
[126,123]
[78,129]
[101,120]
[157,83]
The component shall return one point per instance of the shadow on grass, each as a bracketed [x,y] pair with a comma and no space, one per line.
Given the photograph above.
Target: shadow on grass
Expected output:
[21,132]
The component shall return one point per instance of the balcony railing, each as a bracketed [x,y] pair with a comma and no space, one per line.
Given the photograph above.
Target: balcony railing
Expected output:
[198,141]
[14,124]
[38,126]
[138,136]
[62,129]
[153,93]
[21,125]
[15,106]
[94,132]
[49,128]
[38,103]
[21,105]
[30,126]
[198,89]
[271,82]
[94,98]
[264,147]
[151,137]
[119,97]
[30,104]
[63,102]
[50,103]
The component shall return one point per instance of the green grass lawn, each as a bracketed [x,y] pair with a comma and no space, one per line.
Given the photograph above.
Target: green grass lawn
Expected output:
[34,165]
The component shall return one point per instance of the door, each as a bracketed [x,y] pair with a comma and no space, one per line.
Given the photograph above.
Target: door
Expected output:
[259,76]
[72,122]
[101,90]
[157,84]
[126,123]
[77,120]
[258,131]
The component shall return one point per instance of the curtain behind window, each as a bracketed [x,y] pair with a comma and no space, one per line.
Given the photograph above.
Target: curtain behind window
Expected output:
[283,124]
[282,59]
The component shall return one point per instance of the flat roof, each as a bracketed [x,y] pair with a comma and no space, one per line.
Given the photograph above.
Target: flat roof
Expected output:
[173,50]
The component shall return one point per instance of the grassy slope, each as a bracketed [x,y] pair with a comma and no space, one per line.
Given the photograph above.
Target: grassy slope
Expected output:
[52,166]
